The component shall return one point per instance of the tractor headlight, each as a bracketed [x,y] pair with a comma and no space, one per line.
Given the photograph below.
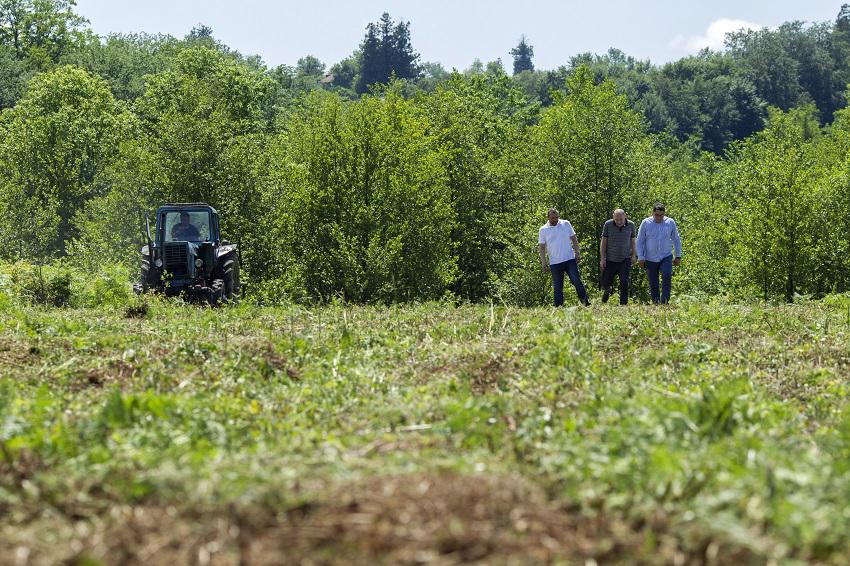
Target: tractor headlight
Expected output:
[158,263]
[199,263]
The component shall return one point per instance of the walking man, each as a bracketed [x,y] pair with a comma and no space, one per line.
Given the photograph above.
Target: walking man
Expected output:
[557,239]
[617,253]
[658,239]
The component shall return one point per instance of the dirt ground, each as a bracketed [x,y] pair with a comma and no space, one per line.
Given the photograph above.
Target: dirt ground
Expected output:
[442,518]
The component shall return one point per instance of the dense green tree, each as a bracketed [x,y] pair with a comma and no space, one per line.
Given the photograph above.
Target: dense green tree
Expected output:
[792,61]
[43,32]
[125,60]
[345,72]
[369,211]
[198,122]
[432,75]
[772,230]
[386,51]
[14,75]
[480,124]
[57,140]
[523,55]
[373,68]
[476,68]
[310,66]
[308,73]
[200,33]
[536,85]
[35,35]
[593,154]
[495,68]
[831,208]
[764,58]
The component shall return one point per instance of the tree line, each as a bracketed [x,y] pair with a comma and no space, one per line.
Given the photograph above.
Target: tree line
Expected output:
[403,193]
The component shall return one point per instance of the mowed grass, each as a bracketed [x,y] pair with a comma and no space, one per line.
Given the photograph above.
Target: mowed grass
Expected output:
[429,433]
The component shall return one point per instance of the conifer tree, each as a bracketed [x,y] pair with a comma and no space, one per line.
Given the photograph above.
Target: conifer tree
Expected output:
[523,54]
[386,50]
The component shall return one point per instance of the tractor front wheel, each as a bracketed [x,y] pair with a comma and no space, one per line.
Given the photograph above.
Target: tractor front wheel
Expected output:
[230,272]
[216,292]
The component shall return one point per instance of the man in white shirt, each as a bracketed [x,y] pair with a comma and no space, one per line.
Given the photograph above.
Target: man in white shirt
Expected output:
[558,240]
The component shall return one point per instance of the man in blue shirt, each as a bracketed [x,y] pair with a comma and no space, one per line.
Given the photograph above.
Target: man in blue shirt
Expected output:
[658,239]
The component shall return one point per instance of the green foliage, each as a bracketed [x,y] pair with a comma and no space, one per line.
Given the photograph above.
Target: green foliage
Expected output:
[772,229]
[57,141]
[386,52]
[42,32]
[125,60]
[482,133]
[592,154]
[369,211]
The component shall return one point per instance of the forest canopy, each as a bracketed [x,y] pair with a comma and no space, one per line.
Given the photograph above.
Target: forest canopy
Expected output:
[384,178]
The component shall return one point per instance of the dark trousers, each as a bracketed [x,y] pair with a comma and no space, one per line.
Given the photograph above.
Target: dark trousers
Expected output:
[571,269]
[623,269]
[665,267]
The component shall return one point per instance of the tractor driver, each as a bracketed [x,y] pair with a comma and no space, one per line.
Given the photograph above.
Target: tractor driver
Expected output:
[185,231]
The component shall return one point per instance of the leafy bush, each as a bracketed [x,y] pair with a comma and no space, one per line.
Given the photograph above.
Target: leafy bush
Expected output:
[44,285]
[60,285]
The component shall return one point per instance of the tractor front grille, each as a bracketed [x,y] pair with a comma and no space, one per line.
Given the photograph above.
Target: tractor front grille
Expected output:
[176,255]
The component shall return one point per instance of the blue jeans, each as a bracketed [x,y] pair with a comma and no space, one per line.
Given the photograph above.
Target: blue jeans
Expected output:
[571,269]
[665,266]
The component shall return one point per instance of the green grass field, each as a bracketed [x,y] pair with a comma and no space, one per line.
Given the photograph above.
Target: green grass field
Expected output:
[429,433]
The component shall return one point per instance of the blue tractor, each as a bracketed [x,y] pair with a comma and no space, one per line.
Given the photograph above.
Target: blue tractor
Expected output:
[186,255]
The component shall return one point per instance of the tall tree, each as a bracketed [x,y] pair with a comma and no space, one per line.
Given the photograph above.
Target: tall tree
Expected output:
[478,123]
[310,66]
[593,154]
[386,51]
[372,68]
[345,72]
[41,31]
[59,137]
[523,54]
[772,228]
[366,200]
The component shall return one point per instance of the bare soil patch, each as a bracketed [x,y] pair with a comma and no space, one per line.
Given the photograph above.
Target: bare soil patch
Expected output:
[442,518]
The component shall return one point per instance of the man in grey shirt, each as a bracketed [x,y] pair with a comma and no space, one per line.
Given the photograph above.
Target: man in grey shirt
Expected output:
[616,254]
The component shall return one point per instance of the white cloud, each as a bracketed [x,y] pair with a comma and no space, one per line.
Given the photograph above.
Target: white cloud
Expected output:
[713,36]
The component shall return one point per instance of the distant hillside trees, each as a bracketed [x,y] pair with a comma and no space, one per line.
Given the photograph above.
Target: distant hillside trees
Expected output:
[386,51]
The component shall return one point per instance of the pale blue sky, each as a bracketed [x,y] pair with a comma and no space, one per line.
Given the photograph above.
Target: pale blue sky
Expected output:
[455,32]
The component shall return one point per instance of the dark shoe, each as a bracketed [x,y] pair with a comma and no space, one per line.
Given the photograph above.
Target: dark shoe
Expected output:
[605,294]
[586,302]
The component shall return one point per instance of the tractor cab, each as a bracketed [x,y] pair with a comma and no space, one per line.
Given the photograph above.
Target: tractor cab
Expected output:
[188,237]
[185,253]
